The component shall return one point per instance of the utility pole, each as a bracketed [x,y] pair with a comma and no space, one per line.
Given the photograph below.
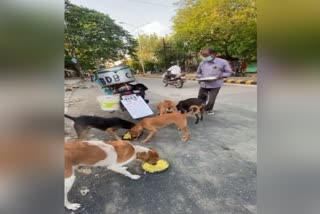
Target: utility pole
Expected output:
[139,44]
[140,57]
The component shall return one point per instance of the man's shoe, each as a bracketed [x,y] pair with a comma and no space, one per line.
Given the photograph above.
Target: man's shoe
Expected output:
[210,112]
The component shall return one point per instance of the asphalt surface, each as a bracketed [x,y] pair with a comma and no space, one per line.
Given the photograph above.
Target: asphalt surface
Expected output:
[214,172]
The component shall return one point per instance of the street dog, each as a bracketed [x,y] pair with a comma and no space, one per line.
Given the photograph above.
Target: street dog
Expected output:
[166,106]
[152,124]
[184,106]
[84,123]
[112,154]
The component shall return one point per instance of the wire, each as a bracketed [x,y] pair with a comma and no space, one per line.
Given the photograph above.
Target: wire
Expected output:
[145,2]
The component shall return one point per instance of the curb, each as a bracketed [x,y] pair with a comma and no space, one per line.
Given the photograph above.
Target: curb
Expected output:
[233,81]
[246,82]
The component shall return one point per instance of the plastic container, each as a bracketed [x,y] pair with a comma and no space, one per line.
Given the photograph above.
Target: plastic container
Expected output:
[109,102]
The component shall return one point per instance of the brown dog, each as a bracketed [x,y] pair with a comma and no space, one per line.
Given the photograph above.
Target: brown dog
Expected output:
[166,106]
[153,123]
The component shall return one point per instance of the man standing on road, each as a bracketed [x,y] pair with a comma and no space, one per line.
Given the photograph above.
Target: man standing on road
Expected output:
[211,66]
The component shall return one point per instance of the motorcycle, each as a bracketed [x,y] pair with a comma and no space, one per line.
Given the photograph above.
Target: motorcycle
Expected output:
[125,89]
[177,80]
[119,80]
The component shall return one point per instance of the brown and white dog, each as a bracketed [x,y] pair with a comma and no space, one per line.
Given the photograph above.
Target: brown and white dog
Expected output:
[166,106]
[112,154]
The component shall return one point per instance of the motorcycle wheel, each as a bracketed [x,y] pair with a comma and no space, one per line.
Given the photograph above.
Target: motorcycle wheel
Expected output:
[178,83]
[165,82]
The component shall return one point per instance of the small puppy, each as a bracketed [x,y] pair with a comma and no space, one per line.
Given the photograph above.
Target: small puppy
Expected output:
[153,123]
[166,106]
[112,154]
[184,106]
[82,125]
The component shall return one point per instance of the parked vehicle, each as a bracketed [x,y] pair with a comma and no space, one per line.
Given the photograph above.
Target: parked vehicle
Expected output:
[125,89]
[120,80]
[239,68]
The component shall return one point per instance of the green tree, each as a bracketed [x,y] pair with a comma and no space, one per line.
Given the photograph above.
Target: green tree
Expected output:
[157,51]
[146,51]
[149,43]
[227,25]
[169,51]
[93,37]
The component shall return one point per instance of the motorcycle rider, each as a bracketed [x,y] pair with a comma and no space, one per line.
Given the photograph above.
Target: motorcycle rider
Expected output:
[173,71]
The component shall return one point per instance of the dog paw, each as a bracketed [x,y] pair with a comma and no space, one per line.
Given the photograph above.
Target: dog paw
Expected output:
[124,167]
[74,206]
[135,177]
[184,139]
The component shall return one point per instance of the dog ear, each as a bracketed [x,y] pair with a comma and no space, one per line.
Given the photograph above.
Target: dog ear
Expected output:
[138,128]
[153,153]
[142,156]
[136,131]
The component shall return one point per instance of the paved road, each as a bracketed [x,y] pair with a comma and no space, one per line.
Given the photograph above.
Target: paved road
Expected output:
[214,172]
[252,77]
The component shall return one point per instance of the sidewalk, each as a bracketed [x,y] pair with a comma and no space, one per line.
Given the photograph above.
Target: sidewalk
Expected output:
[70,86]
[252,80]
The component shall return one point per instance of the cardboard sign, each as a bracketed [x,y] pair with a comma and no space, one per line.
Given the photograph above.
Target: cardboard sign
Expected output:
[136,106]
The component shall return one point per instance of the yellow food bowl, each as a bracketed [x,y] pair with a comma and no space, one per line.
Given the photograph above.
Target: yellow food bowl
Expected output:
[160,166]
[127,136]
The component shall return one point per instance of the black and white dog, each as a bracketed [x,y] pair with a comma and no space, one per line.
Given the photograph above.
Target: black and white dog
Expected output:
[184,106]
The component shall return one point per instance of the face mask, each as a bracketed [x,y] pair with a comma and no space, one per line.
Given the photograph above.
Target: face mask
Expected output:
[208,58]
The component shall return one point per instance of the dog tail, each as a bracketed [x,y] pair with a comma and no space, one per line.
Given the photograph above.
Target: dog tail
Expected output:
[193,110]
[69,117]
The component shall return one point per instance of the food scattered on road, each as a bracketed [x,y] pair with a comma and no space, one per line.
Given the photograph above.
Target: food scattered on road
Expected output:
[86,171]
[84,191]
